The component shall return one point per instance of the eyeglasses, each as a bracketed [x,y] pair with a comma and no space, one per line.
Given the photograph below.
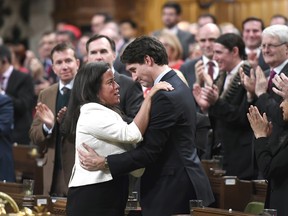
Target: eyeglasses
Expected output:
[271,46]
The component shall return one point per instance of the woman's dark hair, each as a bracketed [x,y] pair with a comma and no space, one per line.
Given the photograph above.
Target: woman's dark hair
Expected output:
[231,40]
[85,89]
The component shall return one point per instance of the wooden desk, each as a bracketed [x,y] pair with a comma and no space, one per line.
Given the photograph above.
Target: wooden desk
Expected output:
[235,196]
[217,212]
[9,187]
[259,190]
[26,167]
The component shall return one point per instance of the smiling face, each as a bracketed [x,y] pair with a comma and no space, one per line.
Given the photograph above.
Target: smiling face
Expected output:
[206,37]
[65,65]
[223,57]
[274,52]
[252,31]
[109,91]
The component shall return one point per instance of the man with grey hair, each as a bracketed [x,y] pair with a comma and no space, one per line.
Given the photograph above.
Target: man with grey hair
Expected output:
[275,52]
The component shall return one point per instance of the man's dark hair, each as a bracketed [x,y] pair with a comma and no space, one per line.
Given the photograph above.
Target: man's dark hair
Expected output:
[176,6]
[231,40]
[212,17]
[249,19]
[97,37]
[280,16]
[107,16]
[145,46]
[130,22]
[62,47]
[71,35]
[5,54]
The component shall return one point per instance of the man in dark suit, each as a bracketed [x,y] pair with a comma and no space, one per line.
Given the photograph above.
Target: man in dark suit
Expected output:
[173,172]
[19,87]
[171,12]
[102,48]
[6,144]
[227,108]
[58,150]
[193,70]
[274,49]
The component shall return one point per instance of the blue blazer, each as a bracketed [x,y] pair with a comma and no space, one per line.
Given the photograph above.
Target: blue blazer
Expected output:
[6,154]
[173,173]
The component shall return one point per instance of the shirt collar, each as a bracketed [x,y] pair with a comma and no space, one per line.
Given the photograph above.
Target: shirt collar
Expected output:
[8,72]
[162,75]
[69,85]
[236,68]
[279,68]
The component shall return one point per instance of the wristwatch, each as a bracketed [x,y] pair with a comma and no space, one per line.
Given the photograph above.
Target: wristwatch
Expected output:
[106,166]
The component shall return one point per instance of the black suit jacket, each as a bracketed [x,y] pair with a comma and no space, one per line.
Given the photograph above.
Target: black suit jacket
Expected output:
[188,70]
[6,153]
[274,166]
[173,173]
[131,96]
[21,90]
[232,130]
[269,103]
[185,39]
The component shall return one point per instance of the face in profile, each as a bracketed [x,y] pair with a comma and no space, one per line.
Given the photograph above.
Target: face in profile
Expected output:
[284,107]
[140,72]
[109,90]
[223,57]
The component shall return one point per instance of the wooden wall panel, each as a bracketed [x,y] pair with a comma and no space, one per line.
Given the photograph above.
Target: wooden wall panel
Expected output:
[147,13]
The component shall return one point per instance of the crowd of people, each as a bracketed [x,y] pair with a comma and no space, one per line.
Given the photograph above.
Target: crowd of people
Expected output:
[102,104]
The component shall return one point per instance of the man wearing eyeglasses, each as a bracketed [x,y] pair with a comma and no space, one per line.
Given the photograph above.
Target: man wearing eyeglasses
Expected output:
[275,52]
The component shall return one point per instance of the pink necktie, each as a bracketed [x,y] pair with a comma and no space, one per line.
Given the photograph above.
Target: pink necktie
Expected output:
[272,74]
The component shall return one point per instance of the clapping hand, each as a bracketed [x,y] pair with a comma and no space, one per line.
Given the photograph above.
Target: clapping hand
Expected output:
[259,124]
[45,115]
[281,83]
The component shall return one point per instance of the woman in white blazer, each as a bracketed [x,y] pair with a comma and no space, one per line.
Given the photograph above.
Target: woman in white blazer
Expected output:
[93,116]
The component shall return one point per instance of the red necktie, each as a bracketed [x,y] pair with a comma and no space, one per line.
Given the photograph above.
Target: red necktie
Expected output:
[211,69]
[272,74]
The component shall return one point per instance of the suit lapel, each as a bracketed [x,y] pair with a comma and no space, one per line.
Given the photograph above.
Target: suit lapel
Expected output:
[285,70]
[12,82]
[52,98]
[273,94]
